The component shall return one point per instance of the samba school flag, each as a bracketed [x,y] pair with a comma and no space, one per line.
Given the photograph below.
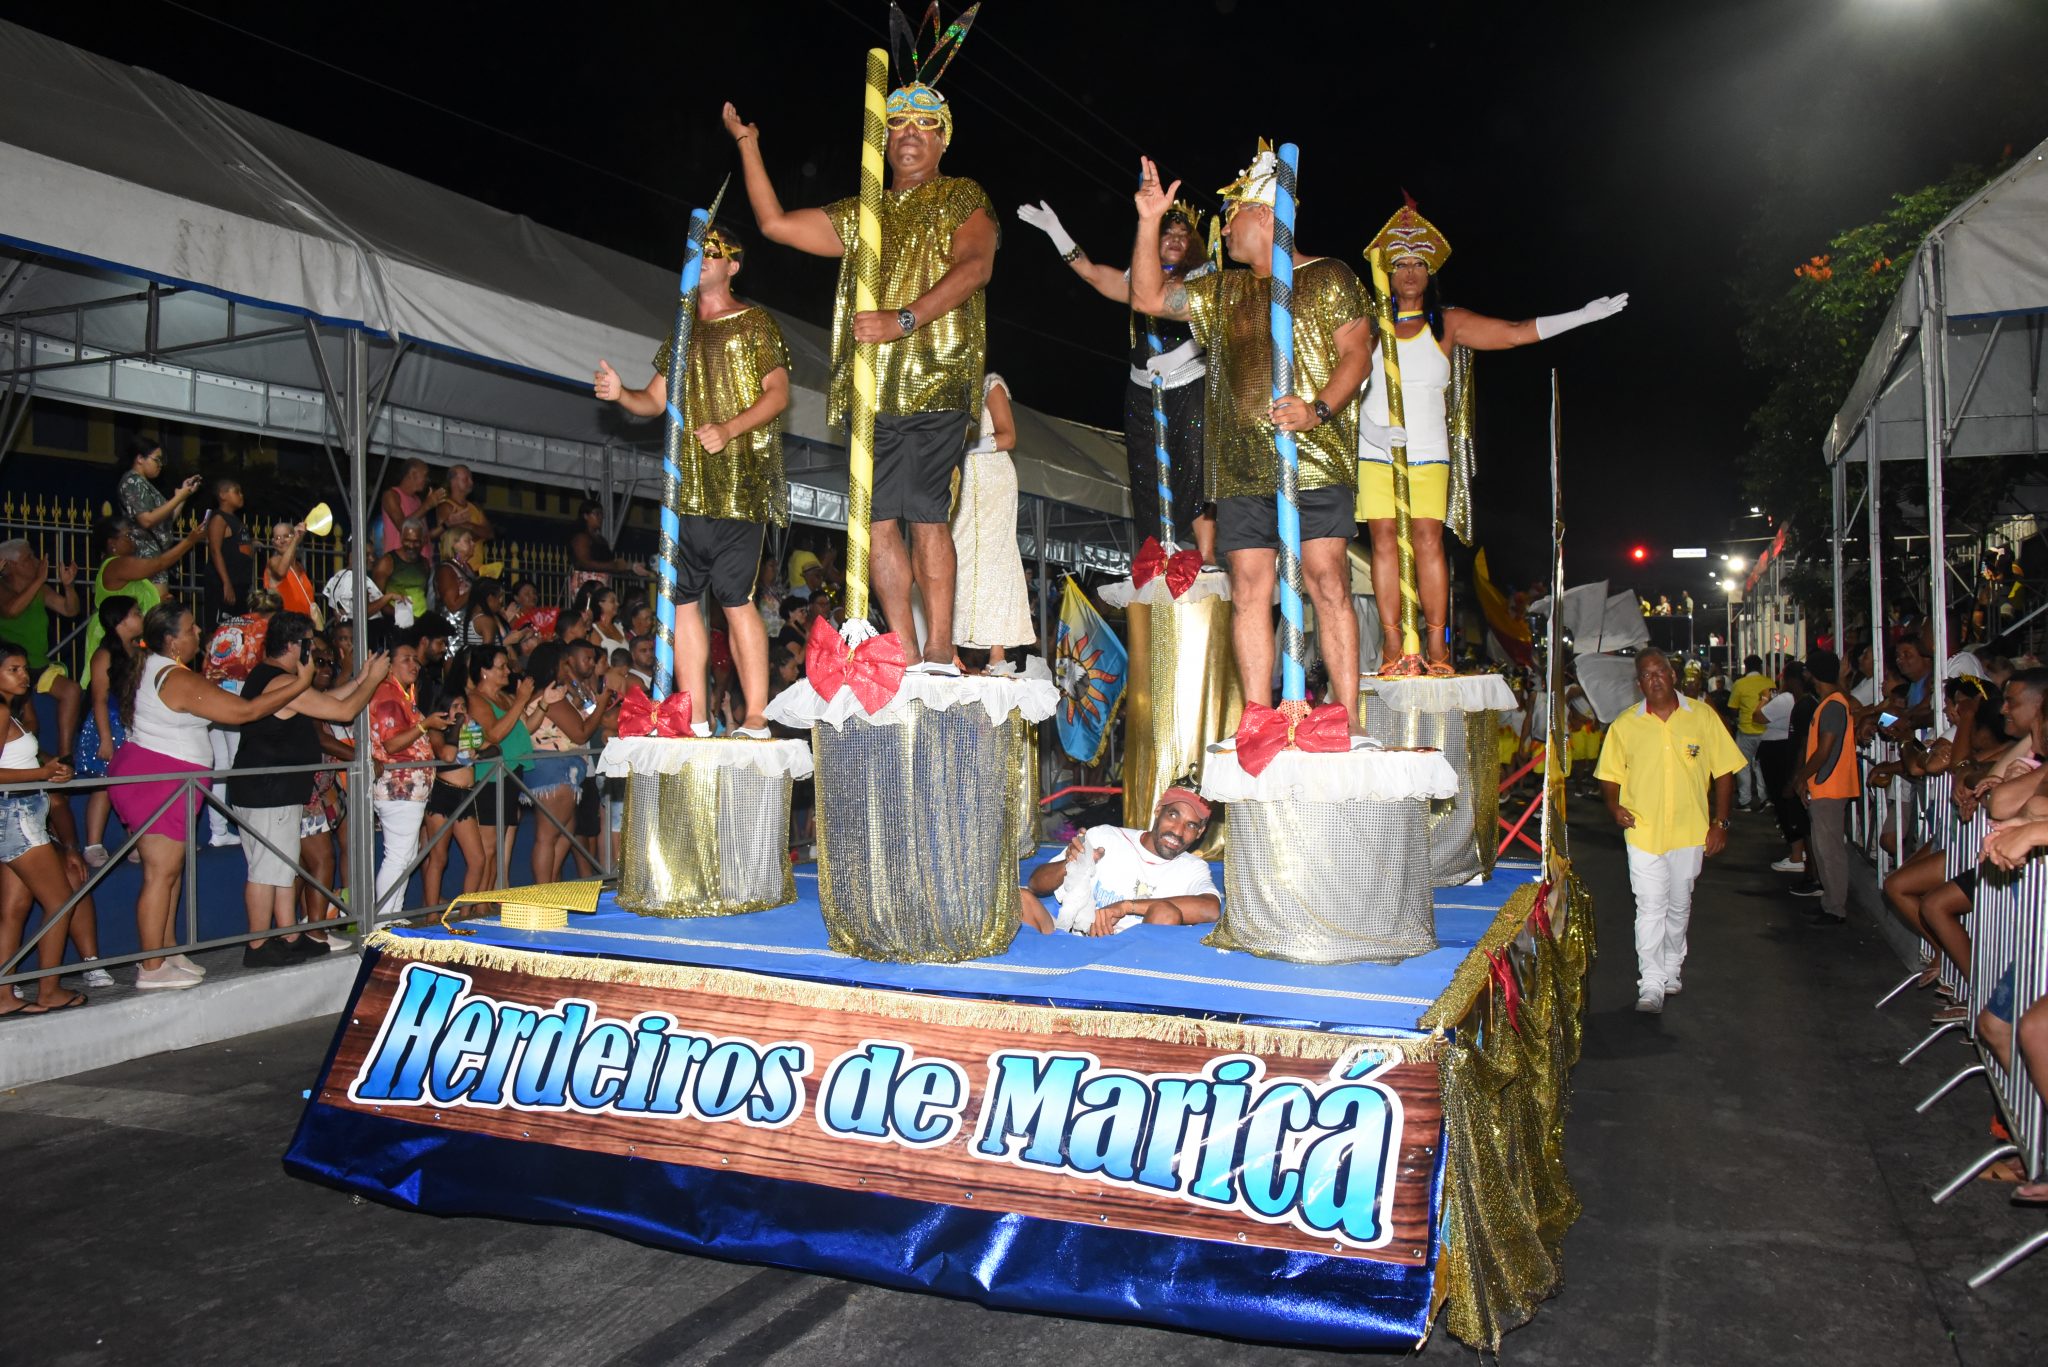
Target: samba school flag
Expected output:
[1090,665]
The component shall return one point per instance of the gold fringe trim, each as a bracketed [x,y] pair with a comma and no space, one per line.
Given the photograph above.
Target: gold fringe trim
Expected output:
[947,1012]
[1475,973]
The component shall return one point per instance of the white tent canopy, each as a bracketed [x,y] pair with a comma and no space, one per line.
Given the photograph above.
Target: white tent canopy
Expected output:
[170,255]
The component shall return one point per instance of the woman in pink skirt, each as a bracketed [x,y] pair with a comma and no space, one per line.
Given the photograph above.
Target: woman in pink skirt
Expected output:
[167,707]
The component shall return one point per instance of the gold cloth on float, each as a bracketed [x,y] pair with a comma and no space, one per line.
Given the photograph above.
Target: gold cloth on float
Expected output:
[707,840]
[1461,829]
[920,821]
[1183,696]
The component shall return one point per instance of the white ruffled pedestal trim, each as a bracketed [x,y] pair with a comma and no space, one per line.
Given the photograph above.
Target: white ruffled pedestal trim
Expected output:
[1466,693]
[625,756]
[1366,774]
[1210,584]
[1031,694]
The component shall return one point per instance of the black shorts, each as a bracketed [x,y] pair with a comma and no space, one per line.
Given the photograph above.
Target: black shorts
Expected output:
[916,457]
[720,554]
[445,797]
[1183,407]
[486,808]
[590,807]
[1252,523]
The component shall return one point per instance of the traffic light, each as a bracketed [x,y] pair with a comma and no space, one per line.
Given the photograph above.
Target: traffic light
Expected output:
[1639,554]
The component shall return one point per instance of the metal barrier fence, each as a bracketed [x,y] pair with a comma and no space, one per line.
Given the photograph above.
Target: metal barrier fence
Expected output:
[61,533]
[2008,926]
[365,909]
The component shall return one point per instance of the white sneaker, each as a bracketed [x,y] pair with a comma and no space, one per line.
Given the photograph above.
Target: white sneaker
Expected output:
[753,733]
[934,669]
[169,978]
[1673,989]
[1651,1001]
[186,965]
[95,856]
[1789,865]
[224,839]
[97,977]
[336,942]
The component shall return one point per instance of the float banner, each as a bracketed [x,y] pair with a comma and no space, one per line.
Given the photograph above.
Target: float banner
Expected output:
[1007,1109]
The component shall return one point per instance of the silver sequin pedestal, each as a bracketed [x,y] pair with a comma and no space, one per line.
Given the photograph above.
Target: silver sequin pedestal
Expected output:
[1328,860]
[923,808]
[1460,717]
[707,823]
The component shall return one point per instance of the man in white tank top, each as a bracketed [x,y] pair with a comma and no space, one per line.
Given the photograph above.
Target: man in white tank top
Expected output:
[1428,336]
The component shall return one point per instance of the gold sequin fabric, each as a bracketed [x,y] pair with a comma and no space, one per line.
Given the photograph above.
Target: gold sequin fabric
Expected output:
[1231,312]
[1507,1200]
[1462,829]
[707,840]
[1327,882]
[729,358]
[918,833]
[1460,413]
[1183,696]
[938,366]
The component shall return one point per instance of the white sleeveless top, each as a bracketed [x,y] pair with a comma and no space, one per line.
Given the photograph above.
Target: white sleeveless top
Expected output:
[162,728]
[21,750]
[986,442]
[1425,387]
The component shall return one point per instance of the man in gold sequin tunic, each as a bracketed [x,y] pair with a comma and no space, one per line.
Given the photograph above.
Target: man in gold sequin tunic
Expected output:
[939,241]
[735,390]
[1230,314]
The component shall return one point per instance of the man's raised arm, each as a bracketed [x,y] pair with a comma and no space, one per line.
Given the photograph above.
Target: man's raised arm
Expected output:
[808,230]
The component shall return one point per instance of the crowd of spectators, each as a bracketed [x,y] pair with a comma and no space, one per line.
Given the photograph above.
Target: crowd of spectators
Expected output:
[465,677]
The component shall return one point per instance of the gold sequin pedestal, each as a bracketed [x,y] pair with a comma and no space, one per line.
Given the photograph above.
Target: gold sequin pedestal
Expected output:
[923,810]
[1329,854]
[707,823]
[1183,693]
[1460,717]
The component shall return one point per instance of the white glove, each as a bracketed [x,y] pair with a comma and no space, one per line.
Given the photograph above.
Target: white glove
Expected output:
[1385,438]
[1607,306]
[1041,217]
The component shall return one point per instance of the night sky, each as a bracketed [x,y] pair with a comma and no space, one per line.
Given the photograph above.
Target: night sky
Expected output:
[1567,151]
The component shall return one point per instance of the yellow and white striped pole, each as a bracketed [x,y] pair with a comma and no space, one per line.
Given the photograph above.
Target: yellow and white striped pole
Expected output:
[1404,536]
[867,283]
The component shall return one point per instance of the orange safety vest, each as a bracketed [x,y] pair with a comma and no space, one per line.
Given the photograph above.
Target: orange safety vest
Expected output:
[1841,778]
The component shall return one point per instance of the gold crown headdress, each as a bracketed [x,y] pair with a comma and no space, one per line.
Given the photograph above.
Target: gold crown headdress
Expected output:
[1258,183]
[918,97]
[1408,233]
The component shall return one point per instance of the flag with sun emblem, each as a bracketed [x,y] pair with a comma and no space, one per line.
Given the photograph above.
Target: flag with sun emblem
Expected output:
[1090,666]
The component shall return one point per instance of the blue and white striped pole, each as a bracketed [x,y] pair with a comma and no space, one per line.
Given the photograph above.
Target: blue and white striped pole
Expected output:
[1159,443]
[1293,647]
[672,452]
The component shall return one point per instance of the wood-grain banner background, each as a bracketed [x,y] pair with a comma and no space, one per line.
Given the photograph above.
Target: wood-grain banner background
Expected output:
[1167,1138]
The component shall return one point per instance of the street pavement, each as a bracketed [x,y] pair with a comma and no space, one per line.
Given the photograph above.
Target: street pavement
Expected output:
[1755,1181]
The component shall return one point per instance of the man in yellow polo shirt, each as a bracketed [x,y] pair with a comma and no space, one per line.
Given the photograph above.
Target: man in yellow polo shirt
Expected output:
[1660,760]
[1743,700]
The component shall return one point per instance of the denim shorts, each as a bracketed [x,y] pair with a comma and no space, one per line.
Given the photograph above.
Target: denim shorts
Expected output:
[24,824]
[2000,1004]
[551,771]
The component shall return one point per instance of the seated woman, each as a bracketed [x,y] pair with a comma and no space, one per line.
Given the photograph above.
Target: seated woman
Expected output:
[1930,903]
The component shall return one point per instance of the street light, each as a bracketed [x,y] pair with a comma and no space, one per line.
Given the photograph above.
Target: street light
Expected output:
[1736,564]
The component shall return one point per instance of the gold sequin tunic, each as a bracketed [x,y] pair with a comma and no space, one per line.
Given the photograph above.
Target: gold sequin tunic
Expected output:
[729,358]
[939,366]
[1231,312]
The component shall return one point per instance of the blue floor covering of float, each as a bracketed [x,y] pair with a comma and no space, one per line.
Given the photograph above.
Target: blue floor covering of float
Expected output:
[1157,969]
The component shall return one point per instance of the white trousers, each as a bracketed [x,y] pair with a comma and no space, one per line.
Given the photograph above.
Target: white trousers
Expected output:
[226,741]
[1662,884]
[401,825]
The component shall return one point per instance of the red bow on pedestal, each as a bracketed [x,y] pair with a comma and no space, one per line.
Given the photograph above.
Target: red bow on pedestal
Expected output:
[638,715]
[1503,972]
[874,667]
[1181,568]
[1265,731]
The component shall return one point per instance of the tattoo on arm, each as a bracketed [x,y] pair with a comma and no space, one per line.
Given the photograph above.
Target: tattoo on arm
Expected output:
[1177,301]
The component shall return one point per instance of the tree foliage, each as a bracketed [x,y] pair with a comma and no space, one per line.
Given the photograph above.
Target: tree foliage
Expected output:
[1808,338]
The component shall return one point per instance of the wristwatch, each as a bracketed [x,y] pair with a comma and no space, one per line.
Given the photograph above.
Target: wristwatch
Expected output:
[1322,410]
[906,320]
[1721,825]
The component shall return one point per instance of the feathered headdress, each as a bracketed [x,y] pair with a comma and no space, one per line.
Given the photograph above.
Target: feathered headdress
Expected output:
[1408,233]
[917,52]
[1258,183]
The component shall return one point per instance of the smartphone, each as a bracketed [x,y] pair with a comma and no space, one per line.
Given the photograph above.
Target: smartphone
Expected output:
[1886,719]
[305,651]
